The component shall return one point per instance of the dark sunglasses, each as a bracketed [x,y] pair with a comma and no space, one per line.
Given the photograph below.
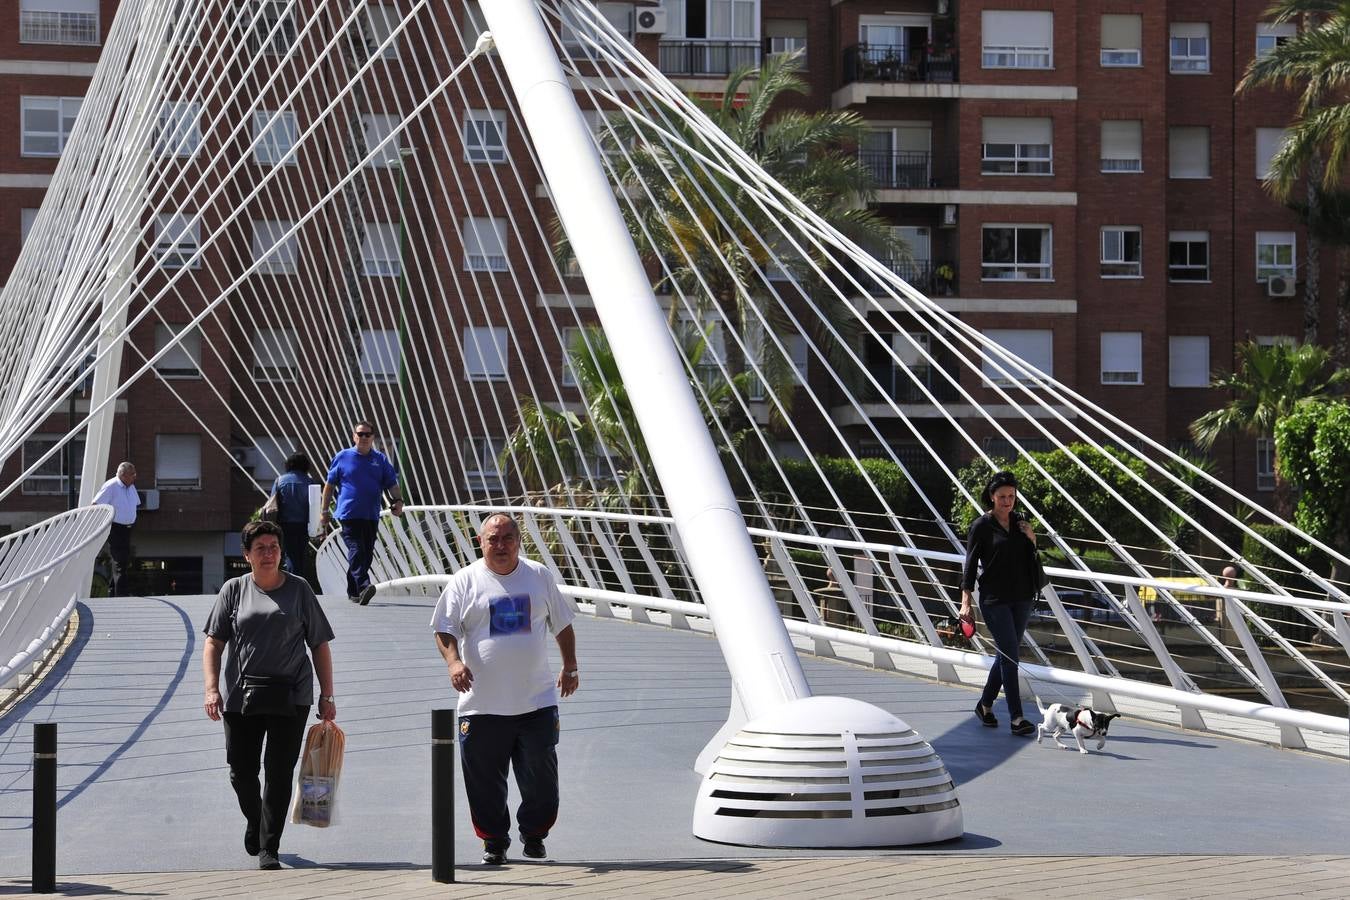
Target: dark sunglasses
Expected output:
[365,434]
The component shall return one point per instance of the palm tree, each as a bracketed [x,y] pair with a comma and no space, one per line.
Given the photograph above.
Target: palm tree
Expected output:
[700,224]
[1317,61]
[1269,383]
[562,442]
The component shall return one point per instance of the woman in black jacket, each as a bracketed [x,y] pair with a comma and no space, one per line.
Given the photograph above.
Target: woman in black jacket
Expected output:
[1002,548]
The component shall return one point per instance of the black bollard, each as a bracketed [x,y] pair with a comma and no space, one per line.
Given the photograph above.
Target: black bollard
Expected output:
[443,796]
[44,808]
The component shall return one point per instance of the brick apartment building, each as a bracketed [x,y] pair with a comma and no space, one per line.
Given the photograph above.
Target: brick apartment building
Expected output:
[1075,179]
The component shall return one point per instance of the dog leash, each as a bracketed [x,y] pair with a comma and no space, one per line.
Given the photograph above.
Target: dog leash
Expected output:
[1017,663]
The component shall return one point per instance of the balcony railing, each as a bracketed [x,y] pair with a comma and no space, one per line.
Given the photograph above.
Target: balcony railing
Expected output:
[708,57]
[896,62]
[934,278]
[903,170]
[908,384]
[58,28]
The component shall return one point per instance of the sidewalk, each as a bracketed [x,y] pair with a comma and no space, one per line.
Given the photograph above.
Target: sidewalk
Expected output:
[1236,877]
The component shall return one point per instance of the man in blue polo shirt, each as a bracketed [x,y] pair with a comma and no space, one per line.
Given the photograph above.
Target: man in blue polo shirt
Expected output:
[360,475]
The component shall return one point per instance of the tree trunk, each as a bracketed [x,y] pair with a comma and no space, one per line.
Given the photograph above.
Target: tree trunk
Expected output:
[1312,292]
[1340,353]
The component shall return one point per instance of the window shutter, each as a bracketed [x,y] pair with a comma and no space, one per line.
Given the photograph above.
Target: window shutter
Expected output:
[1034,346]
[1122,139]
[1122,355]
[1188,152]
[1003,130]
[1006,28]
[1188,361]
[1122,32]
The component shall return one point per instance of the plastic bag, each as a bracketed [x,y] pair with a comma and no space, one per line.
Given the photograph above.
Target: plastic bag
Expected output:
[316,789]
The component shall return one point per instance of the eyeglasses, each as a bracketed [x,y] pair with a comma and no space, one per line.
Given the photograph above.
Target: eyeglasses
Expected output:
[365,434]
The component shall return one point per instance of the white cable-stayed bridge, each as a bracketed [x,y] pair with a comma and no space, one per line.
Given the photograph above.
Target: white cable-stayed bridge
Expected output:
[336,218]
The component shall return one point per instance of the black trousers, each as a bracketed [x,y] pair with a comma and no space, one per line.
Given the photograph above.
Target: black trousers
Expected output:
[526,743]
[264,806]
[295,541]
[1007,622]
[359,536]
[119,548]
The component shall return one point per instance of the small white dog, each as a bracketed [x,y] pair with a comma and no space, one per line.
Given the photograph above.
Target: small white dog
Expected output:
[1081,721]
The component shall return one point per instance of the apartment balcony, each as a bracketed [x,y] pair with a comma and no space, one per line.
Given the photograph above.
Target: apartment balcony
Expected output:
[898,63]
[932,278]
[700,59]
[908,385]
[905,170]
[58,28]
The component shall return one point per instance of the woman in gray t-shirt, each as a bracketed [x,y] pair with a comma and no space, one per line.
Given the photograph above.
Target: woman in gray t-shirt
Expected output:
[272,624]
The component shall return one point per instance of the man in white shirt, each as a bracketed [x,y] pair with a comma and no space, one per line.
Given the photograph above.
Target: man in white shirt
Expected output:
[119,492]
[492,623]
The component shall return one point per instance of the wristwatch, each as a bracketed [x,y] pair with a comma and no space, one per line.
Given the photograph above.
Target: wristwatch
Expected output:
[573,674]
[330,698]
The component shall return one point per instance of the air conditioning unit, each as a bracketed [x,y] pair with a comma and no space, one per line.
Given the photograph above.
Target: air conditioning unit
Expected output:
[150,500]
[949,215]
[1279,286]
[651,21]
[247,457]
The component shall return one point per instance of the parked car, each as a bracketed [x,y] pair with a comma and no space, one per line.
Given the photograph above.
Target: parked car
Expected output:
[1084,605]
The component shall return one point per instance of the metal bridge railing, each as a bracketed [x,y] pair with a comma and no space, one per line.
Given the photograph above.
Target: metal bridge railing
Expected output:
[1194,649]
[43,570]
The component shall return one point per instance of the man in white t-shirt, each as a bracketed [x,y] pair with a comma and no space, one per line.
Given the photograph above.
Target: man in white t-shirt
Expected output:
[119,492]
[492,623]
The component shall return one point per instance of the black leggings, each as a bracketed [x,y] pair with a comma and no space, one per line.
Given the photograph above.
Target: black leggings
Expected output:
[264,806]
[1007,622]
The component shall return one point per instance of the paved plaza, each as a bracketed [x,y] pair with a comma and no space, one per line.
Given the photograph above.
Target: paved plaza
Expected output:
[146,808]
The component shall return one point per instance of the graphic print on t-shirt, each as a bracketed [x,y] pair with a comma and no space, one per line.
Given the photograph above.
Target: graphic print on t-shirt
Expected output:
[510,615]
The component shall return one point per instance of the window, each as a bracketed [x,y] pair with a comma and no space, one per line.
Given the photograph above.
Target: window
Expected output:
[578,32]
[485,354]
[273,248]
[177,240]
[269,460]
[1188,44]
[1187,362]
[1016,251]
[271,28]
[378,127]
[46,124]
[783,36]
[1121,253]
[1270,35]
[1265,464]
[382,250]
[1274,254]
[1122,40]
[1016,40]
[1272,340]
[474,24]
[481,469]
[1122,146]
[184,358]
[735,20]
[1122,357]
[26,219]
[1188,151]
[1268,143]
[274,138]
[1016,146]
[1188,256]
[58,22]
[178,462]
[274,355]
[571,336]
[50,477]
[381,356]
[1033,346]
[178,131]
[485,245]
[382,21]
[484,136]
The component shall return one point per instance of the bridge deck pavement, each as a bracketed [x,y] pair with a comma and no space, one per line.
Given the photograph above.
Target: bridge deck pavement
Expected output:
[143,788]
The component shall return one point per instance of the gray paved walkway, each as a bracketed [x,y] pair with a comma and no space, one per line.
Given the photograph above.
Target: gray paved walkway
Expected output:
[143,785]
